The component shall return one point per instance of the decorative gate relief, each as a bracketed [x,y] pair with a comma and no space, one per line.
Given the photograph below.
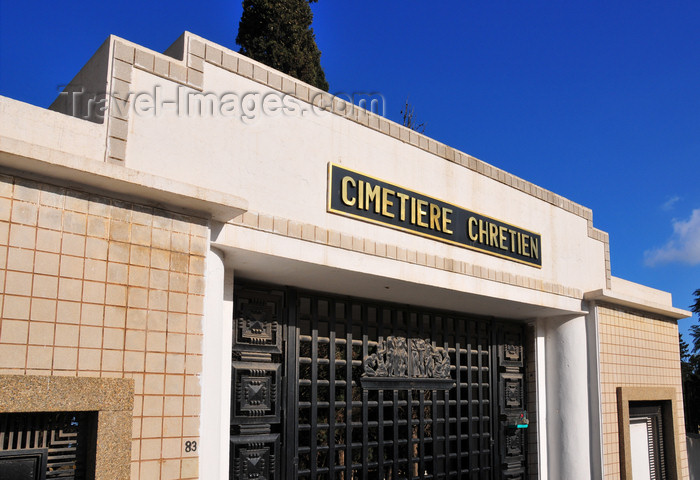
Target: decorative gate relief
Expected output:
[256,386]
[336,388]
[407,363]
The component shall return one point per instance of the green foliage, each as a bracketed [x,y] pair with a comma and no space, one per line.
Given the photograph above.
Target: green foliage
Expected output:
[690,372]
[278,33]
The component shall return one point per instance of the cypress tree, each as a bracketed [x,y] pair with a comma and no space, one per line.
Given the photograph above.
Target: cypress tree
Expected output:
[278,33]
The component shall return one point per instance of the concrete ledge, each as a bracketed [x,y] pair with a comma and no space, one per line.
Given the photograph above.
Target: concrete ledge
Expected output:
[105,177]
[637,303]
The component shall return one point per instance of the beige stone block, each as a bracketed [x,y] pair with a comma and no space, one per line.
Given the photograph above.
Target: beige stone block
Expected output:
[155,341]
[97,227]
[245,68]
[4,233]
[69,289]
[48,240]
[161,67]
[196,265]
[71,267]
[123,52]
[190,426]
[116,295]
[135,340]
[43,310]
[213,55]
[150,449]
[155,362]
[50,218]
[179,262]
[178,72]
[194,78]
[194,344]
[96,248]
[12,356]
[115,317]
[41,333]
[191,406]
[160,239]
[193,364]
[92,314]
[138,276]
[19,259]
[229,62]
[176,322]
[157,300]
[178,282]
[14,307]
[74,222]
[26,190]
[195,304]
[180,242]
[175,363]
[112,360]
[113,338]
[22,236]
[136,318]
[89,359]
[24,213]
[117,273]
[14,331]
[173,406]
[260,74]
[46,263]
[119,231]
[134,361]
[45,286]
[153,384]
[144,60]
[194,324]
[67,335]
[177,302]
[73,245]
[40,357]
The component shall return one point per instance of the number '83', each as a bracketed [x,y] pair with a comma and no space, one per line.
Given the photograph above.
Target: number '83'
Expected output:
[190,446]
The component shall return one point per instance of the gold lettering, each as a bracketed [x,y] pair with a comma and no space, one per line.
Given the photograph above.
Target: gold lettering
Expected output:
[372,195]
[483,231]
[348,201]
[493,235]
[361,195]
[403,198]
[534,243]
[386,203]
[421,213]
[472,223]
[435,217]
[502,237]
[446,221]
[512,240]
[520,244]
[526,245]
[413,210]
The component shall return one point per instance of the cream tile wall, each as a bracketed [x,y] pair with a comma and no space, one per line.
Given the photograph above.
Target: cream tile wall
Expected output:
[636,351]
[94,286]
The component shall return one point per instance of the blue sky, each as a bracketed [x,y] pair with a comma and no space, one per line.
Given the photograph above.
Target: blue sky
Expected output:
[597,101]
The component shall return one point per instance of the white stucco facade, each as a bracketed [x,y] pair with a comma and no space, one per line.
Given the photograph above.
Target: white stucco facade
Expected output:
[255,168]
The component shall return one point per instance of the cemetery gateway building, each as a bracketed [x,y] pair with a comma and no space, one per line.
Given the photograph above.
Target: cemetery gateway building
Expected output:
[212,270]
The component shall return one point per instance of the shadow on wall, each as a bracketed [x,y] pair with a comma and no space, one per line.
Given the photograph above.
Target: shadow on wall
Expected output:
[693,441]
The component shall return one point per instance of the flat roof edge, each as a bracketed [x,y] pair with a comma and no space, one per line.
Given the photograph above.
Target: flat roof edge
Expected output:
[608,296]
[105,177]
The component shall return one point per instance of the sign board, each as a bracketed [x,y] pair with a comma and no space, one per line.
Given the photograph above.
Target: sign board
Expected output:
[356,195]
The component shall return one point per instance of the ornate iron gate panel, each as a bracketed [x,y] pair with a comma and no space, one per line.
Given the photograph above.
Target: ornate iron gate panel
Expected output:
[512,415]
[338,388]
[48,445]
[418,426]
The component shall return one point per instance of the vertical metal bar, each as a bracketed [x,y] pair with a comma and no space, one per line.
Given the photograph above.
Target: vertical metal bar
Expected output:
[314,387]
[470,396]
[291,370]
[380,404]
[365,395]
[446,405]
[331,391]
[409,432]
[421,405]
[458,394]
[481,406]
[348,391]
[395,412]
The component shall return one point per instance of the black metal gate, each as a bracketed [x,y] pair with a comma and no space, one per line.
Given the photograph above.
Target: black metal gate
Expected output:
[359,390]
